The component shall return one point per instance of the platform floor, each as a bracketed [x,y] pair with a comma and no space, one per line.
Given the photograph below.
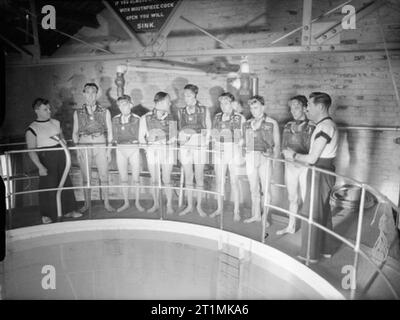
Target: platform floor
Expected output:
[344,221]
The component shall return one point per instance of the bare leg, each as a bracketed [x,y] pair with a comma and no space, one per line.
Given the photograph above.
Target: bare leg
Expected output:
[235,192]
[199,171]
[219,171]
[125,193]
[189,184]
[166,173]
[252,163]
[86,175]
[137,197]
[87,196]
[256,210]
[292,179]
[134,160]
[291,227]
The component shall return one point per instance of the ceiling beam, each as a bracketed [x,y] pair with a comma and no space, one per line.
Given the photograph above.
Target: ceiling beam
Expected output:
[36,43]
[312,21]
[133,35]
[20,49]
[307,15]
[365,47]
[158,40]
[224,44]
[334,30]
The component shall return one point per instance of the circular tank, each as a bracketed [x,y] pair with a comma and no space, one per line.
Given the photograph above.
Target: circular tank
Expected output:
[150,259]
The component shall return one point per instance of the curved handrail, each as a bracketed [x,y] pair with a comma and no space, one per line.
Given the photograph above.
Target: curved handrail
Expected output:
[309,220]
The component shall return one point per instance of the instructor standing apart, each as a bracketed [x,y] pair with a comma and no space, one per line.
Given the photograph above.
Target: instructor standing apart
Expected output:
[323,147]
[51,164]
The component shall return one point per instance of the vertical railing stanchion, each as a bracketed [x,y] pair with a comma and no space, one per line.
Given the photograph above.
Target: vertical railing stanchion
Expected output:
[265,205]
[9,191]
[358,241]
[88,182]
[180,198]
[310,216]
[159,191]
[222,190]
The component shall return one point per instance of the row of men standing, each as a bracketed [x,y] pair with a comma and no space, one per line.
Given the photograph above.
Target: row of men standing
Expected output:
[302,142]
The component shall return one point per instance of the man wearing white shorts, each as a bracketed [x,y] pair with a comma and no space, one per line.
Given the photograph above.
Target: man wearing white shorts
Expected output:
[296,135]
[194,126]
[158,131]
[262,140]
[126,136]
[226,134]
[92,127]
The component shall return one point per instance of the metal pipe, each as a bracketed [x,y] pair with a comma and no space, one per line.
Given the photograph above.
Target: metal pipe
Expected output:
[88,182]
[180,199]
[312,21]
[65,173]
[159,191]
[222,195]
[9,192]
[224,44]
[358,241]
[310,216]
[265,204]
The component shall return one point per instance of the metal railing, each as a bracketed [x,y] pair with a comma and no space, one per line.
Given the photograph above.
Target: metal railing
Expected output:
[220,193]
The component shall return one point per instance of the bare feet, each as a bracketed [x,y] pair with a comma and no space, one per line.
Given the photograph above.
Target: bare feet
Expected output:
[153,209]
[170,211]
[215,213]
[73,214]
[138,206]
[46,220]
[124,207]
[84,208]
[201,212]
[252,219]
[186,211]
[108,207]
[288,229]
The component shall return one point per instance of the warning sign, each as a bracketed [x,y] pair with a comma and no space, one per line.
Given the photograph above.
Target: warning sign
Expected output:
[144,15]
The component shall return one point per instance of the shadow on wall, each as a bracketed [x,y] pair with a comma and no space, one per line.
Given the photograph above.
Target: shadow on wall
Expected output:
[215,92]
[64,113]
[356,151]
[177,87]
[137,100]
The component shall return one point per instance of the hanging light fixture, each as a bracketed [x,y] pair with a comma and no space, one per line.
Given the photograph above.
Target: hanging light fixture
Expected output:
[243,84]
[119,80]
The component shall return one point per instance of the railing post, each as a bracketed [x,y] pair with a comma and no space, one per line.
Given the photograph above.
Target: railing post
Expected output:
[222,190]
[8,170]
[265,204]
[358,241]
[88,183]
[159,191]
[310,215]
[180,198]
[64,176]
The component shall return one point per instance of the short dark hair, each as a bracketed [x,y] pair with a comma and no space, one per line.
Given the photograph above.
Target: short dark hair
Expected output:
[124,97]
[38,102]
[322,98]
[159,96]
[90,84]
[302,99]
[229,95]
[256,97]
[192,87]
